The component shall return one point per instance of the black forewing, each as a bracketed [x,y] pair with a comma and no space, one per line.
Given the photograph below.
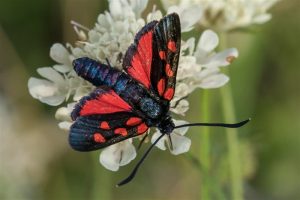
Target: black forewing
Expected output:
[166,51]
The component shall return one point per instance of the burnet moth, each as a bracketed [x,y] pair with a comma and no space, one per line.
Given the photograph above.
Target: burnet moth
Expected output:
[127,103]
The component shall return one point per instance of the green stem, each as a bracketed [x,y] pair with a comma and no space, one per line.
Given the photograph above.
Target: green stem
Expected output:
[232,139]
[204,154]
[102,185]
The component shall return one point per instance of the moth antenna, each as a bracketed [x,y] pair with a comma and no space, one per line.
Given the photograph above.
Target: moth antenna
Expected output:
[134,171]
[235,125]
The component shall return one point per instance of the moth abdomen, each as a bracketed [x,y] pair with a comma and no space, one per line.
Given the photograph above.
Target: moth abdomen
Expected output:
[95,72]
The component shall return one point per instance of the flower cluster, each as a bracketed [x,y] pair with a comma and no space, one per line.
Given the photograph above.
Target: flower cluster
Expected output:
[226,15]
[199,67]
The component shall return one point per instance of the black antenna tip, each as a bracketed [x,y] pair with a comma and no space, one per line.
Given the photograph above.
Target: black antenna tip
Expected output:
[244,122]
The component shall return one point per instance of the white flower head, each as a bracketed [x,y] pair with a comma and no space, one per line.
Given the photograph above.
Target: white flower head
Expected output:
[110,38]
[226,15]
[180,143]
[199,68]
[206,56]
[51,91]
[189,14]
[64,115]
[117,155]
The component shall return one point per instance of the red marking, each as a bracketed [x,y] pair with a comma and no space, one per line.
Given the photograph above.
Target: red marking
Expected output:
[132,121]
[161,86]
[169,71]
[169,94]
[172,46]
[142,59]
[109,102]
[121,131]
[142,128]
[162,55]
[104,125]
[99,138]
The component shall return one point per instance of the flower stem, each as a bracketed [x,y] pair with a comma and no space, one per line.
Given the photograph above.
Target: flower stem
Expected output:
[101,188]
[204,154]
[232,138]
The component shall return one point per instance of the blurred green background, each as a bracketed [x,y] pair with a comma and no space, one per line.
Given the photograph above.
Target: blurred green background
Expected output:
[37,163]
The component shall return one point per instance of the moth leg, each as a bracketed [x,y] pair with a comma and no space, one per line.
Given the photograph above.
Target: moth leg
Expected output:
[142,141]
[170,142]
[108,63]
[177,102]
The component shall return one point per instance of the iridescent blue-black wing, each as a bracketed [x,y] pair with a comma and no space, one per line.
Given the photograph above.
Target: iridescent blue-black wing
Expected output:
[102,119]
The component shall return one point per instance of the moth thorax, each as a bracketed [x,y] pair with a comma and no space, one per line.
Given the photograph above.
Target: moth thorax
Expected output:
[166,126]
[150,107]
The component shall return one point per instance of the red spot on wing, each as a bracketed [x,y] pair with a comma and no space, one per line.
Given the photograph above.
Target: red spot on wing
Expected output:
[169,94]
[172,46]
[121,131]
[161,86]
[169,71]
[104,125]
[162,55]
[106,103]
[132,121]
[142,128]
[99,138]
[142,59]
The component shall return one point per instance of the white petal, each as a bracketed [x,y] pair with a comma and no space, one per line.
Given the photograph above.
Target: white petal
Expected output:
[65,125]
[181,107]
[117,155]
[189,15]
[138,6]
[115,8]
[223,58]
[80,92]
[209,40]
[59,53]
[45,91]
[182,90]
[62,68]
[181,131]
[155,15]
[128,153]
[51,74]
[108,158]
[161,143]
[189,44]
[214,81]
[181,144]
[260,19]
[63,113]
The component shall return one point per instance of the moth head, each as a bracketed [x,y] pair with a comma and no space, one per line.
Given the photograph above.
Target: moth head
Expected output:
[166,126]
